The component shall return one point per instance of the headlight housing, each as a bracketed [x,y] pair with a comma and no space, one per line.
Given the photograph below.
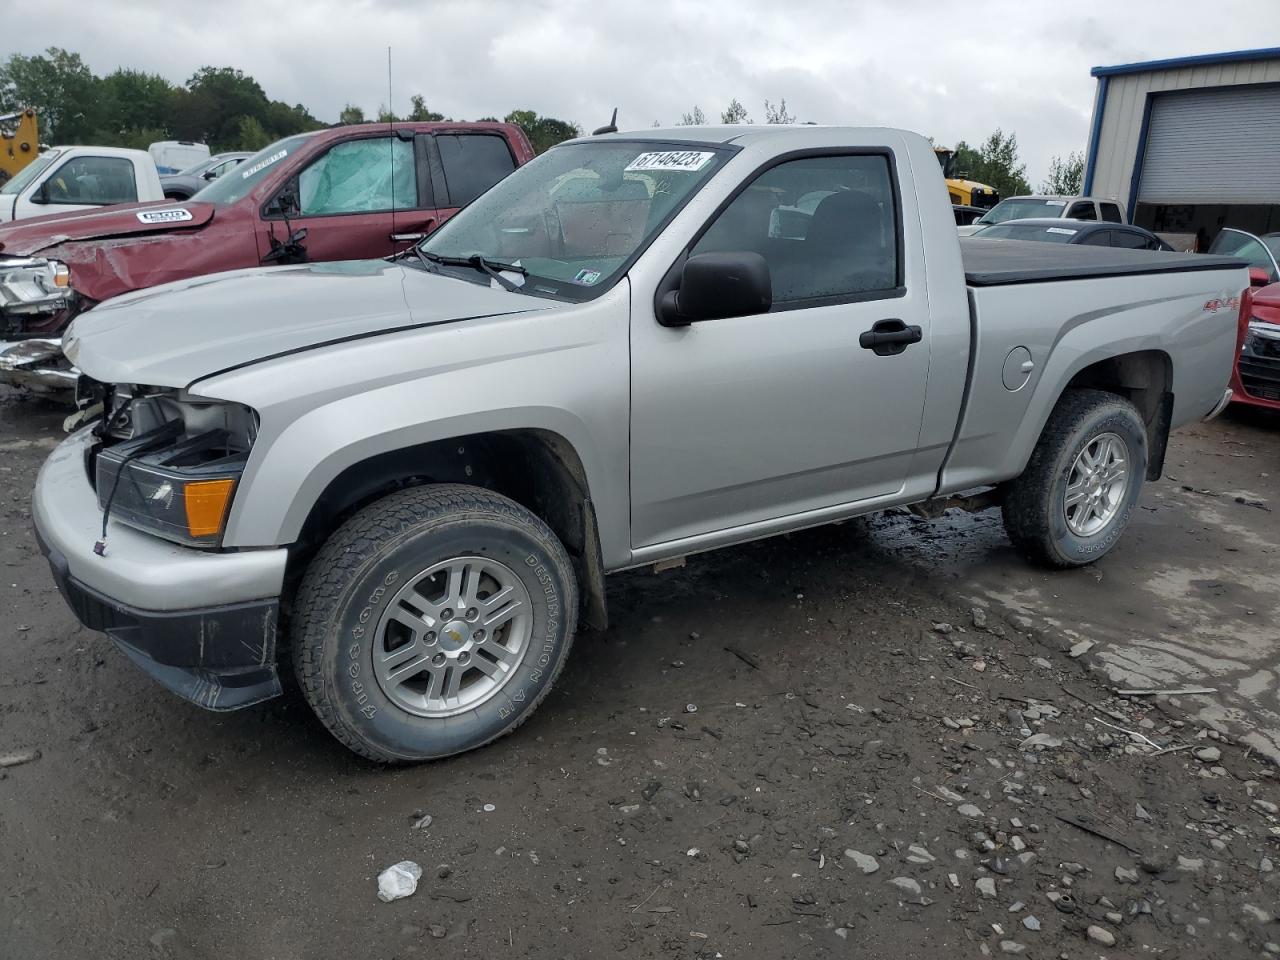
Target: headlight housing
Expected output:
[34,285]
[176,472]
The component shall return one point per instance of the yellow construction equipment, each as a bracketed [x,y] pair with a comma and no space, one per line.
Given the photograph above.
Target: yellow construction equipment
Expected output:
[964,192]
[19,142]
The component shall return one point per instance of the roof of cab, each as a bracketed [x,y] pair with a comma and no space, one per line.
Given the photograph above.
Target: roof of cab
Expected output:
[738,134]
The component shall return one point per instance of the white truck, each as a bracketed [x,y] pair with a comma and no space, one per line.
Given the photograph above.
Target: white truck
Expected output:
[66,179]
[1045,206]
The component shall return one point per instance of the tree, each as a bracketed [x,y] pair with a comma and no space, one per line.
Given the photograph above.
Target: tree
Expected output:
[995,163]
[735,113]
[385,115]
[695,119]
[60,87]
[418,110]
[211,106]
[777,114]
[1066,177]
[132,100]
[543,132]
[252,134]
[351,114]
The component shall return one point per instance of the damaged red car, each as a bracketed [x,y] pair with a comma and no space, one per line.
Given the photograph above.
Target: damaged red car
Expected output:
[346,193]
[1256,379]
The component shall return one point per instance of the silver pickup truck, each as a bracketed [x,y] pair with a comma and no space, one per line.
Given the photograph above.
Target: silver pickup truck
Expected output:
[413,474]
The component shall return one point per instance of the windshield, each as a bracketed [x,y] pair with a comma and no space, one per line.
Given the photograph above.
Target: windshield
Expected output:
[947,160]
[1027,231]
[575,216]
[199,168]
[30,172]
[238,182]
[1023,208]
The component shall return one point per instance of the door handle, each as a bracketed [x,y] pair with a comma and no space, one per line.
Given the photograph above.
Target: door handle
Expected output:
[889,337]
[426,229]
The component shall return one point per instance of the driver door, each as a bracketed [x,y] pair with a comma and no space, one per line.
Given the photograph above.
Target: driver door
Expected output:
[347,200]
[744,420]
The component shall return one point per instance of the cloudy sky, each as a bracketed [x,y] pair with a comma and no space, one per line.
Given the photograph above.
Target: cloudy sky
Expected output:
[946,69]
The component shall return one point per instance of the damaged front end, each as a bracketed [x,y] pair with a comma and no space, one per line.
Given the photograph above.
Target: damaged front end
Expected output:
[36,304]
[130,513]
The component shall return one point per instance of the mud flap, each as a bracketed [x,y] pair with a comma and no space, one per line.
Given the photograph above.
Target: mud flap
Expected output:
[1158,436]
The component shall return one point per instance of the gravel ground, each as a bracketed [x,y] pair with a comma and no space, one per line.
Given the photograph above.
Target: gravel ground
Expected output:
[838,743]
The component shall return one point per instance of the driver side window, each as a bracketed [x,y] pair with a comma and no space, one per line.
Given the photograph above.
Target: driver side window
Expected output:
[360,176]
[93,180]
[1083,210]
[826,226]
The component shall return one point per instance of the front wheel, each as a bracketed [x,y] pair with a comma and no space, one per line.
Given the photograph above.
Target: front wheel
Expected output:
[1074,500]
[432,622]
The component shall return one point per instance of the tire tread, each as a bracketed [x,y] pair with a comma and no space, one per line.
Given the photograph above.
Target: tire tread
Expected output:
[1026,498]
[359,542]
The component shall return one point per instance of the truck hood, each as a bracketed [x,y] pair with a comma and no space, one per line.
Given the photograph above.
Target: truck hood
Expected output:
[26,237]
[178,333]
[1266,304]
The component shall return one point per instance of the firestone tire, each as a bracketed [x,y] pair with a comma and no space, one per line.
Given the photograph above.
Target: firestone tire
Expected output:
[377,566]
[1040,522]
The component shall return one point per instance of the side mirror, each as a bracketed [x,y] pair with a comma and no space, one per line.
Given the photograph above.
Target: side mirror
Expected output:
[1258,277]
[208,175]
[716,286]
[42,193]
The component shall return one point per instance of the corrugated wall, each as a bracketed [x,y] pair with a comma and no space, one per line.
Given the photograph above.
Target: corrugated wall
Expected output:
[1126,100]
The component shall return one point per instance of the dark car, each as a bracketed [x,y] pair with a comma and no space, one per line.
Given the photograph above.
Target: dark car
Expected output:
[1100,234]
[966,215]
[184,184]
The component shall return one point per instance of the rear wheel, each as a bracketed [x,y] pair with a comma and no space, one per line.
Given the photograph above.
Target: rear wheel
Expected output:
[1074,500]
[433,622]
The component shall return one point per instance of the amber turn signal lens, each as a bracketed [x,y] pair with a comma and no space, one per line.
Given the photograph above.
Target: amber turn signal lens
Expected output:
[61,276]
[206,502]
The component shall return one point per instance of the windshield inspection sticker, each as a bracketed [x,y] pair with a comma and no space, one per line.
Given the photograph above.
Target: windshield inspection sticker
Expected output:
[1069,233]
[175,215]
[670,160]
[263,164]
[587,277]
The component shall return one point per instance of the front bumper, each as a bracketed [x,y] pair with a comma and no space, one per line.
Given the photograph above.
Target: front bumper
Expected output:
[37,363]
[1258,367]
[1220,405]
[202,623]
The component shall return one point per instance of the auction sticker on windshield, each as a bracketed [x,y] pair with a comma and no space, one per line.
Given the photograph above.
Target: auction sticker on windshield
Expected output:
[670,160]
[263,164]
[1069,233]
[176,215]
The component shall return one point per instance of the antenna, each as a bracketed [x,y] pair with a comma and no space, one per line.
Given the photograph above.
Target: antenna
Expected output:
[391,145]
[611,127]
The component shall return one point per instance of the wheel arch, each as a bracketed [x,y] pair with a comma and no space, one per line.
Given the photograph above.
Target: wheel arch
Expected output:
[536,467]
[1145,379]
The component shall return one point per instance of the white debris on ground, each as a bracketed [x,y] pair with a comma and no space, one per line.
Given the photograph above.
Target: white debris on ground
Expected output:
[398,881]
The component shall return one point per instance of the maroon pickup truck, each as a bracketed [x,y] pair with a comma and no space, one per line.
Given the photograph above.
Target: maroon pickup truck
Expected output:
[341,194]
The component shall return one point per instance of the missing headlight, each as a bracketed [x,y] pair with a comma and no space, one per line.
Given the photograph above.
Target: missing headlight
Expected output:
[170,482]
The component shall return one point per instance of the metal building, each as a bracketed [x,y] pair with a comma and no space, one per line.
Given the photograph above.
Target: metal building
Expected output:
[1190,145]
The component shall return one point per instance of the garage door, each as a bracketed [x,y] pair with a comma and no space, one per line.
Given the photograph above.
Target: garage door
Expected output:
[1213,146]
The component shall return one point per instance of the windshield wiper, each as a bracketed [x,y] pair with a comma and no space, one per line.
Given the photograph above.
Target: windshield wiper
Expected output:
[478,262]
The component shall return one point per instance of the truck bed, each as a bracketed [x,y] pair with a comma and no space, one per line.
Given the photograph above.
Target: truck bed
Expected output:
[994,263]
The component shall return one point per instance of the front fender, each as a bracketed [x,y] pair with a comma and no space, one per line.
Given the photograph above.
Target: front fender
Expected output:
[562,371]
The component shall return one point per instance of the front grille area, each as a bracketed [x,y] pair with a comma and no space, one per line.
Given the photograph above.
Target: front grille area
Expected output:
[1260,366]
